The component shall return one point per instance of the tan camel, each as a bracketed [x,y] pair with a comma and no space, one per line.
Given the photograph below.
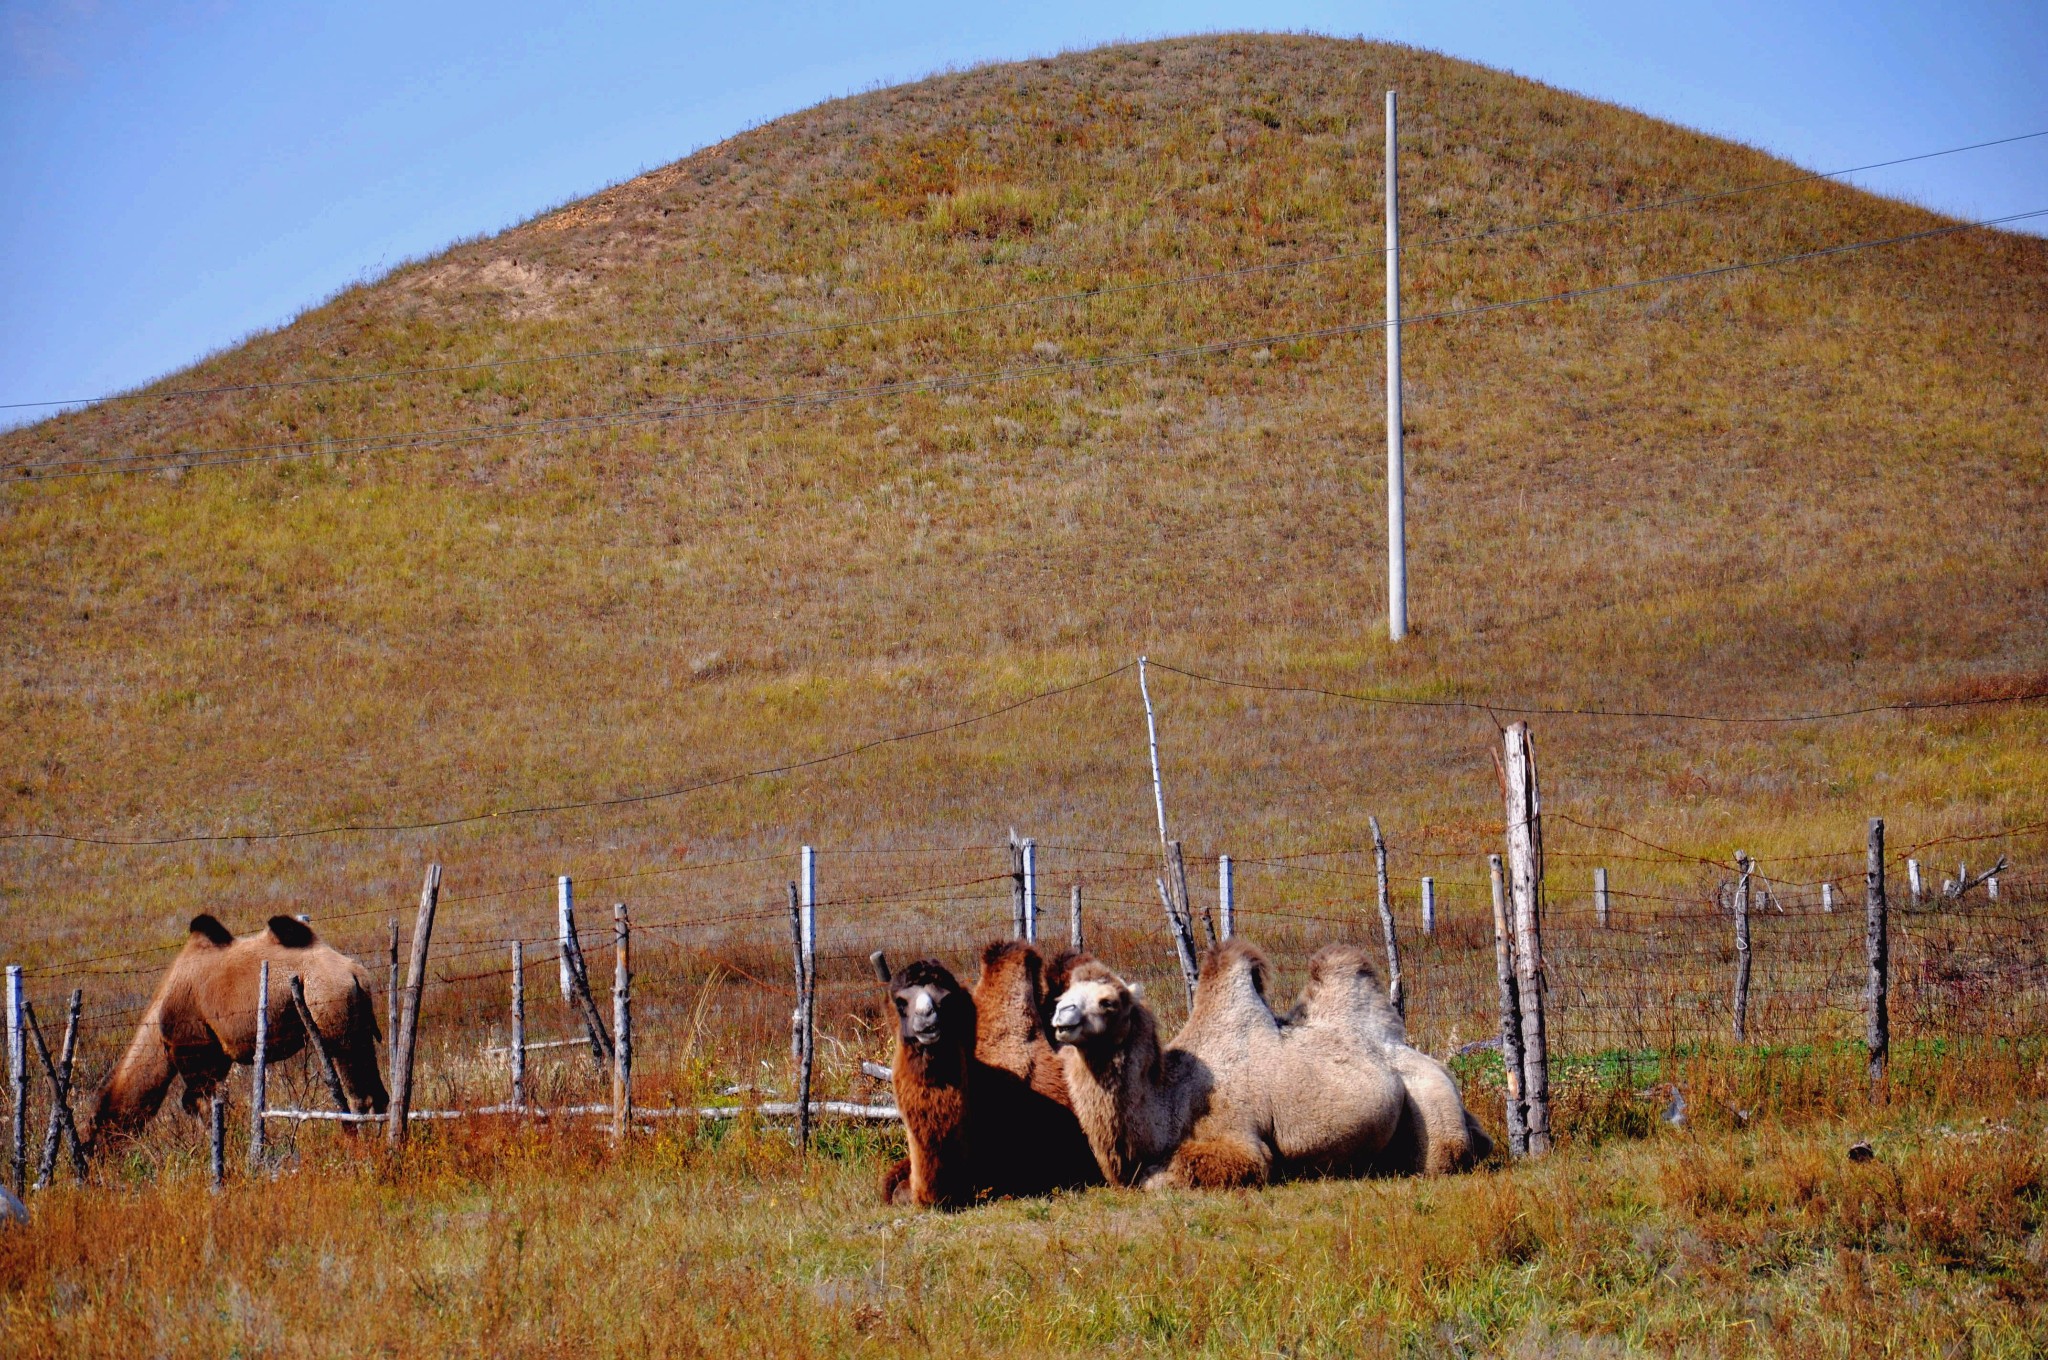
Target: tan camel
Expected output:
[1238,1096]
[1437,1134]
[202,1021]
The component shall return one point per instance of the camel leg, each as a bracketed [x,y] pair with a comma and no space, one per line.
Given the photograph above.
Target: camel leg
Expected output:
[355,1057]
[1217,1163]
[204,1067]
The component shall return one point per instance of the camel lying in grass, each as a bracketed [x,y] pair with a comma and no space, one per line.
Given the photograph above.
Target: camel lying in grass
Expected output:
[978,1130]
[1242,1095]
[202,1021]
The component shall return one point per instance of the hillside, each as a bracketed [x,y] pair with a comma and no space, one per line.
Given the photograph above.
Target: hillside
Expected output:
[1812,487]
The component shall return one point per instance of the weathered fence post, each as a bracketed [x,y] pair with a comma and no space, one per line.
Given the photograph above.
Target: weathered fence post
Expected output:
[1030,868]
[217,1136]
[321,1057]
[17,1083]
[1226,896]
[796,957]
[565,935]
[60,1109]
[1525,887]
[1075,937]
[1016,887]
[1991,888]
[1395,996]
[1743,867]
[1877,949]
[1602,906]
[579,983]
[61,1125]
[259,1080]
[1177,879]
[1183,934]
[1827,898]
[622,1023]
[809,999]
[518,1025]
[1510,1016]
[400,1115]
[1428,905]
[1913,880]
[391,1006]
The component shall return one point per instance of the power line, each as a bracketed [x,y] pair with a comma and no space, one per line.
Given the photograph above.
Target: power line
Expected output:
[120,464]
[1549,711]
[578,805]
[1013,304]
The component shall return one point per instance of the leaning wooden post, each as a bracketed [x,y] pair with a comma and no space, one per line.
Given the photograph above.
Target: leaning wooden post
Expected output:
[1602,907]
[1075,936]
[518,1024]
[1177,880]
[809,999]
[60,1123]
[58,1085]
[622,1023]
[1428,905]
[1183,940]
[1877,948]
[400,1116]
[1744,866]
[1525,887]
[321,1057]
[1395,995]
[1030,866]
[17,1082]
[217,1136]
[1226,896]
[391,1005]
[1510,1016]
[259,1082]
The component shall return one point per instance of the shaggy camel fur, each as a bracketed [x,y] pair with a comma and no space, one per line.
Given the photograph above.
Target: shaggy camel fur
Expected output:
[202,1021]
[1437,1134]
[976,1131]
[1238,1096]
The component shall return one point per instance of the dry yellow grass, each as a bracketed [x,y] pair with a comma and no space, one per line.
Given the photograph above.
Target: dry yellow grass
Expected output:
[1794,489]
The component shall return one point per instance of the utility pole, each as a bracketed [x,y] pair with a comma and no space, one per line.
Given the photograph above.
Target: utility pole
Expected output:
[1397,510]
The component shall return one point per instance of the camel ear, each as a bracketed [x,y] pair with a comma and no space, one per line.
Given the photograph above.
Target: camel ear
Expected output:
[211,930]
[1137,990]
[291,932]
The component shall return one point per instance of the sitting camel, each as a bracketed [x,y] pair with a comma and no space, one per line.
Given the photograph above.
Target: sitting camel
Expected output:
[1437,1133]
[202,1021]
[976,1130]
[1239,1095]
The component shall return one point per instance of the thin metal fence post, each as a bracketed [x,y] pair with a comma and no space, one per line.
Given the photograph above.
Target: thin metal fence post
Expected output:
[1031,891]
[259,1084]
[1428,905]
[1602,906]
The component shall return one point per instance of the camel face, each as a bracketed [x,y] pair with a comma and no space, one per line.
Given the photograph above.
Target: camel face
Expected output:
[1095,1009]
[929,1006]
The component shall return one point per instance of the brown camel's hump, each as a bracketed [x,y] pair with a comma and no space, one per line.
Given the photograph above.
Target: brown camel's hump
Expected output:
[1231,956]
[1009,992]
[208,928]
[291,932]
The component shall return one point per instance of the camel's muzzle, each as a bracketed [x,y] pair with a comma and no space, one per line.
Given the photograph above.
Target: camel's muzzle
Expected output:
[1066,1022]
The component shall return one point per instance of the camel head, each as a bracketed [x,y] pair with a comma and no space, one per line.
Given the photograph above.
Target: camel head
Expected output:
[931,1007]
[1095,1007]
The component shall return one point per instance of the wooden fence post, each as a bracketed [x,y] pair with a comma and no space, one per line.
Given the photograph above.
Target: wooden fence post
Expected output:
[1510,1015]
[217,1136]
[1525,888]
[59,1086]
[1877,949]
[518,1024]
[1226,896]
[809,998]
[1395,995]
[1428,905]
[1602,906]
[1183,940]
[61,1124]
[1016,887]
[400,1115]
[1030,866]
[581,999]
[1177,879]
[622,1023]
[321,1057]
[17,1083]
[1744,867]
[392,1006]
[259,1081]
[565,936]
[1075,937]
[796,955]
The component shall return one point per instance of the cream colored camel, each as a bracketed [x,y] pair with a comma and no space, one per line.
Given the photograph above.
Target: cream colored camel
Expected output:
[1436,1134]
[1238,1096]
[202,1020]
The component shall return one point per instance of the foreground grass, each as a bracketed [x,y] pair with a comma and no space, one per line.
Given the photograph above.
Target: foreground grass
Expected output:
[1759,1242]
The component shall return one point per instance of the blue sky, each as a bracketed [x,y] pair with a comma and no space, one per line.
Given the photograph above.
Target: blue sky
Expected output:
[176,175]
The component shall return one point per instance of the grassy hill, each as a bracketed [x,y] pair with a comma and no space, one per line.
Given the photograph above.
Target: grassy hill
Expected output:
[1811,487]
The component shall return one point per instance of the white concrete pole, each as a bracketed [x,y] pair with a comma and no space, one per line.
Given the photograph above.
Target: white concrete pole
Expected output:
[565,932]
[1226,895]
[1397,510]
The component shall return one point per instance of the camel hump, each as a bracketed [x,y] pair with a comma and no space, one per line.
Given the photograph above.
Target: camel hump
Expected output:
[209,929]
[291,932]
[1234,954]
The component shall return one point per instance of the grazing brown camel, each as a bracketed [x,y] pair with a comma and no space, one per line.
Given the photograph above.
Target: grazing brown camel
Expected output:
[976,1131]
[1239,1096]
[202,1021]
